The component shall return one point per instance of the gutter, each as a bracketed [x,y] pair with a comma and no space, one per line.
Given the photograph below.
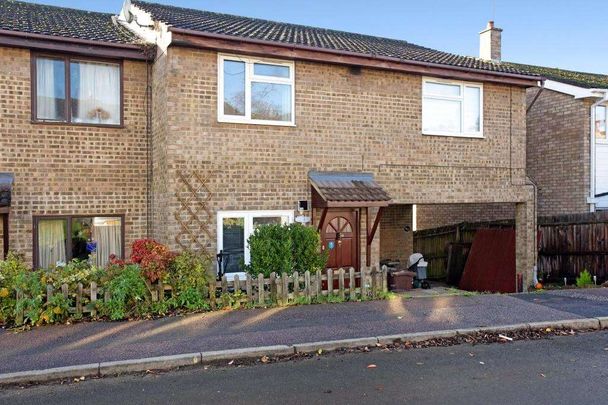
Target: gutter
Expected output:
[592,200]
[348,53]
[29,35]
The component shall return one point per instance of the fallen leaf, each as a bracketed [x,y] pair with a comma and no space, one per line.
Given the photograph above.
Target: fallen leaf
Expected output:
[265,359]
[371,366]
[548,330]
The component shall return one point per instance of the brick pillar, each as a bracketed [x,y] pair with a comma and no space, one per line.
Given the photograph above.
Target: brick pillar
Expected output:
[525,241]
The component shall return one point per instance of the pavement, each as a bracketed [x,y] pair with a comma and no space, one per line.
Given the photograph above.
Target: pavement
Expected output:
[96,342]
[568,370]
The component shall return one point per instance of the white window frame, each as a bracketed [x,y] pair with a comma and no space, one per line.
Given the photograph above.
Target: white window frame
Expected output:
[249,78]
[460,98]
[248,220]
[597,140]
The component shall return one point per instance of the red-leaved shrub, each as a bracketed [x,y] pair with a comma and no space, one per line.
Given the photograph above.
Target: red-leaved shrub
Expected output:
[153,258]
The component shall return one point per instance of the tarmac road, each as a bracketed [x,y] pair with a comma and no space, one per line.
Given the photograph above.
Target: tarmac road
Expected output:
[572,369]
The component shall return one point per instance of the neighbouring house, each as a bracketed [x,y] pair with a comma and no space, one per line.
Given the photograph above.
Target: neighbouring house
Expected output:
[74,141]
[569,167]
[234,122]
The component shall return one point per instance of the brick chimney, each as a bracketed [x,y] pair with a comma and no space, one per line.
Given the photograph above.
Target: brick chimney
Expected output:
[490,43]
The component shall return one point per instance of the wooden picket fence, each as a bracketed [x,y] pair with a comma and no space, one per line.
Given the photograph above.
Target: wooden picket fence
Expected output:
[275,290]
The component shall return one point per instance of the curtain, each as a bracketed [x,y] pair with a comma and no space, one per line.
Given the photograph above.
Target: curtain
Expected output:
[95,93]
[46,107]
[51,243]
[108,235]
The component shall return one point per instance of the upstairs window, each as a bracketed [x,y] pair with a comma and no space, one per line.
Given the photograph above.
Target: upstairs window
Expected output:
[255,91]
[600,123]
[76,91]
[452,108]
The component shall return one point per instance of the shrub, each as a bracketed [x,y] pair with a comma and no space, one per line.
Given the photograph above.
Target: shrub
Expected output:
[271,251]
[15,275]
[153,258]
[74,272]
[285,249]
[584,279]
[127,290]
[306,249]
[189,276]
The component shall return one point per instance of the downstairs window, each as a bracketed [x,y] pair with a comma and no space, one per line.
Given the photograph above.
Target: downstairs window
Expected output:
[60,239]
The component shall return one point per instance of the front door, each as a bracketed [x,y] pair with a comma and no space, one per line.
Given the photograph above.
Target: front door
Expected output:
[340,237]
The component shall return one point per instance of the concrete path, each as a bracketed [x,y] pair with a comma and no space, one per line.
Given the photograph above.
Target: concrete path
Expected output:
[560,370]
[65,345]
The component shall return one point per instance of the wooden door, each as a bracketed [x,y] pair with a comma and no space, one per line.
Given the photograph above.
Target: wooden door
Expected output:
[340,237]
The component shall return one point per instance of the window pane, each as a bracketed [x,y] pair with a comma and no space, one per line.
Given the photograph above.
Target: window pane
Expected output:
[472,109]
[233,238]
[441,115]
[96,239]
[270,101]
[263,69]
[600,123]
[50,89]
[442,89]
[95,93]
[234,88]
[51,243]
[259,221]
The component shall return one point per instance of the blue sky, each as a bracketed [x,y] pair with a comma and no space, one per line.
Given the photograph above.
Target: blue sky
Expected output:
[560,33]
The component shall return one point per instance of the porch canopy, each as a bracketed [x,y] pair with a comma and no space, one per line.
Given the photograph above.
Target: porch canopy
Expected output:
[6,189]
[349,190]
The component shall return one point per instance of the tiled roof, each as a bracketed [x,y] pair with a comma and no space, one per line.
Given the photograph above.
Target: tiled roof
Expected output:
[65,22]
[580,79]
[284,33]
[348,187]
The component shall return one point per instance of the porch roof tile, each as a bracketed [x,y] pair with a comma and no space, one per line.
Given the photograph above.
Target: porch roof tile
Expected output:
[348,187]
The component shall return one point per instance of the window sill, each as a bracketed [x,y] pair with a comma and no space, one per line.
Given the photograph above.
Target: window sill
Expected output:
[77,124]
[254,122]
[474,136]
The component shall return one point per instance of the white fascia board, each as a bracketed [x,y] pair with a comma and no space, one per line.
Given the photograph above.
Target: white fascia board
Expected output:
[575,91]
[141,23]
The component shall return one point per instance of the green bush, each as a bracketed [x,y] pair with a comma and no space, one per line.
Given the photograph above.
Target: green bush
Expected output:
[271,250]
[74,272]
[306,249]
[127,291]
[584,279]
[285,249]
[189,276]
[16,276]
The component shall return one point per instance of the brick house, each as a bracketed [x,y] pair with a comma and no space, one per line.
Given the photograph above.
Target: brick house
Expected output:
[570,167]
[246,121]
